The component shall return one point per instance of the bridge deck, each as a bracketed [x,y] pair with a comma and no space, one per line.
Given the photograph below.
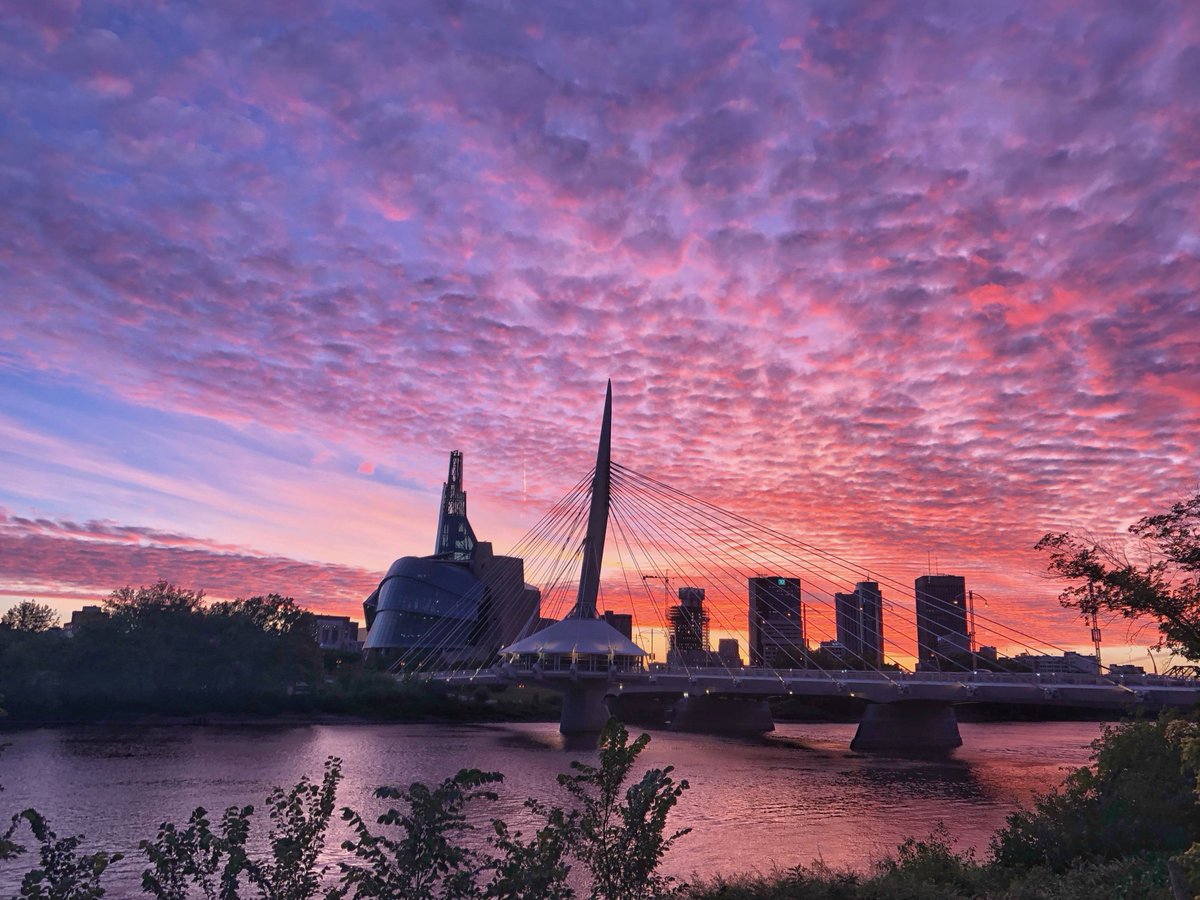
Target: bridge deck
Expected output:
[1064,690]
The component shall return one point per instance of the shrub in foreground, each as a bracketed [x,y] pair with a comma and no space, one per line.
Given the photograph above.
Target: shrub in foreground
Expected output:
[421,849]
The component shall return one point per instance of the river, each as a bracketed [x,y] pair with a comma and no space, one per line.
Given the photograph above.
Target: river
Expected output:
[795,796]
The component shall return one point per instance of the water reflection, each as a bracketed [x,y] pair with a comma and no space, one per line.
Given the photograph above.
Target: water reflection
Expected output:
[785,799]
[106,742]
[933,781]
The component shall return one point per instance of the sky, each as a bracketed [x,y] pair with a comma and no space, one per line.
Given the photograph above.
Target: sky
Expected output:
[913,280]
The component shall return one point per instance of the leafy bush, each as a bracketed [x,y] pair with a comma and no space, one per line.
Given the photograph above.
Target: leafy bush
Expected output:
[62,873]
[194,858]
[427,860]
[1136,797]
[618,833]
[622,843]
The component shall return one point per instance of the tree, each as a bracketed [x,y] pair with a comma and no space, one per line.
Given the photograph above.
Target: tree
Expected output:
[134,604]
[273,614]
[1163,586]
[622,839]
[1136,796]
[428,859]
[31,616]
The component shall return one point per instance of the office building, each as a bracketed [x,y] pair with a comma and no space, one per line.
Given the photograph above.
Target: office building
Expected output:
[941,619]
[336,633]
[1070,663]
[859,617]
[689,629]
[776,622]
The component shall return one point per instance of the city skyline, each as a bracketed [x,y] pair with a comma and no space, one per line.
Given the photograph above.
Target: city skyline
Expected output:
[914,284]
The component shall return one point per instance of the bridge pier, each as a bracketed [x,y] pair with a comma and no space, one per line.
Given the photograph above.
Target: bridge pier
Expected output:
[722,715]
[583,709]
[907,727]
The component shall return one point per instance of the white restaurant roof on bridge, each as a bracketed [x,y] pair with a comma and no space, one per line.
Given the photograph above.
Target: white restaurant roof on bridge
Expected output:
[586,636]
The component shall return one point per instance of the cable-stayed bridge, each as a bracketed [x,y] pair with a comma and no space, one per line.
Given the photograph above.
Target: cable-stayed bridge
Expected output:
[740,577]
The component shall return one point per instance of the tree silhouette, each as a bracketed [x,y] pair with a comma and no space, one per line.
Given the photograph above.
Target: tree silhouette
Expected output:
[29,615]
[1162,586]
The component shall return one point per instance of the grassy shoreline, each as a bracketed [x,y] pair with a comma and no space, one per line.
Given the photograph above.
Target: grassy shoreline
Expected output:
[381,704]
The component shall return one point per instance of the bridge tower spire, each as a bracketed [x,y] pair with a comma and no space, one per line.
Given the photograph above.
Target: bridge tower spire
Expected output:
[593,544]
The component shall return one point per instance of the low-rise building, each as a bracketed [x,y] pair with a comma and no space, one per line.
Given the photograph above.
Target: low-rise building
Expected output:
[337,633]
[729,653]
[1067,664]
[81,617]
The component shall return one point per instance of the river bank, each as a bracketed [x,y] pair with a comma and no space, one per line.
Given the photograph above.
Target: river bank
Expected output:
[383,701]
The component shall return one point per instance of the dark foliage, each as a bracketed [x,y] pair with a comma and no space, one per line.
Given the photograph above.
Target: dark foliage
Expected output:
[1138,796]
[62,873]
[29,615]
[1164,589]
[159,649]
[623,831]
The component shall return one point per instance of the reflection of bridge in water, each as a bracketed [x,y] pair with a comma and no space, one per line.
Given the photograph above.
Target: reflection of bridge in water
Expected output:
[597,668]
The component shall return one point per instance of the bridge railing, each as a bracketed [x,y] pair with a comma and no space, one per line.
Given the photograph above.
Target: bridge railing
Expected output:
[971,677]
[553,663]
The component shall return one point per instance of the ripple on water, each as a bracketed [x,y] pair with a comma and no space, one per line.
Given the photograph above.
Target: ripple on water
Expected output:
[792,797]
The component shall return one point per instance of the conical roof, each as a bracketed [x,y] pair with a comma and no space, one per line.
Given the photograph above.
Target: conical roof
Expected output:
[588,636]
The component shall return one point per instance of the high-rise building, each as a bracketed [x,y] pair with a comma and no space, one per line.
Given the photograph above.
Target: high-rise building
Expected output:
[860,624]
[689,629]
[941,618]
[776,622]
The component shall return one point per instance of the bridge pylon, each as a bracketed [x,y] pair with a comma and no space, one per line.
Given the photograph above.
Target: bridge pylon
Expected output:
[917,727]
[581,654]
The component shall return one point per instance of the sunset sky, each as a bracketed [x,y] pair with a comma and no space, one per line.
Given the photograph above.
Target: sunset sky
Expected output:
[911,280]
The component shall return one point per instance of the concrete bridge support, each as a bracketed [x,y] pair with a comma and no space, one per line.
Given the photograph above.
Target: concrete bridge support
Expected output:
[907,727]
[584,710]
[722,715]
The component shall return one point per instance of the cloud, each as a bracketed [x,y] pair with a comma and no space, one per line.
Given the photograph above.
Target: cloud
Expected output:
[924,277]
[89,560]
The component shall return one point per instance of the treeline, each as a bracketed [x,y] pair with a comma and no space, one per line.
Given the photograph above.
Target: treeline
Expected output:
[161,650]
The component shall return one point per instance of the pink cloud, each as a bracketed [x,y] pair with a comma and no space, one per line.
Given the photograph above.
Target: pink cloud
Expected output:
[924,281]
